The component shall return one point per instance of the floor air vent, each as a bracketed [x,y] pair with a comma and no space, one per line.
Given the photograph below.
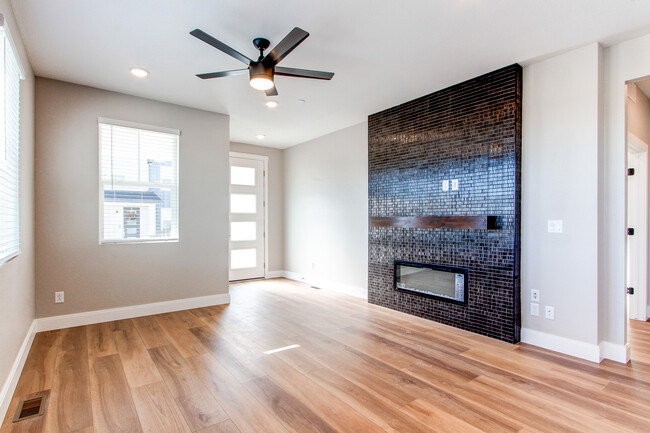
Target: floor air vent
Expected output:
[30,408]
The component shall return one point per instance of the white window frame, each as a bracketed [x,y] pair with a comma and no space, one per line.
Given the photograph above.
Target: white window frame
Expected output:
[9,48]
[146,127]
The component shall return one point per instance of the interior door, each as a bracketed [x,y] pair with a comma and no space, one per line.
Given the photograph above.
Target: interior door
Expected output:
[247,179]
[637,242]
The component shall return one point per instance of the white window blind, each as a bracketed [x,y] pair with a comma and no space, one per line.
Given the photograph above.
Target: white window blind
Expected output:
[139,183]
[10,76]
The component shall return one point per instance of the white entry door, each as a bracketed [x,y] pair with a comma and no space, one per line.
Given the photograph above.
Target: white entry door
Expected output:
[247,253]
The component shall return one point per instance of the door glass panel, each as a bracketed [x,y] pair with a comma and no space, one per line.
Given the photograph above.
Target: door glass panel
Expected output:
[240,259]
[243,231]
[243,203]
[242,175]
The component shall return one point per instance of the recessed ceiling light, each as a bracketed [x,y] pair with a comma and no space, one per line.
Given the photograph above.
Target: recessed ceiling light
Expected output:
[271,103]
[301,100]
[139,72]
[260,136]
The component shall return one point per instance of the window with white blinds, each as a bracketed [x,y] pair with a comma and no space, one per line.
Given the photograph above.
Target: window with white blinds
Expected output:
[139,183]
[10,77]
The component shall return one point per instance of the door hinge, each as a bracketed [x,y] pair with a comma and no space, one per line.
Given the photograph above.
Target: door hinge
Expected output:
[630,172]
[630,231]
[630,290]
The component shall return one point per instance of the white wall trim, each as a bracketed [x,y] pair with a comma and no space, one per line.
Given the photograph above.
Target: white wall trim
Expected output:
[615,352]
[9,386]
[356,291]
[99,316]
[556,343]
[274,274]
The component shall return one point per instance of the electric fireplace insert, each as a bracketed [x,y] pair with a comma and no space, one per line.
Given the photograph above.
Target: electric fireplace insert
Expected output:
[441,282]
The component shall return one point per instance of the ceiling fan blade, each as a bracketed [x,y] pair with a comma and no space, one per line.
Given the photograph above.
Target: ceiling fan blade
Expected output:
[303,73]
[222,73]
[200,34]
[286,45]
[273,91]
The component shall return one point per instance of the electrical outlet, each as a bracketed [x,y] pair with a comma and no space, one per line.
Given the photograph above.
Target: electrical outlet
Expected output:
[59,297]
[549,313]
[534,295]
[555,226]
[445,185]
[534,309]
[454,184]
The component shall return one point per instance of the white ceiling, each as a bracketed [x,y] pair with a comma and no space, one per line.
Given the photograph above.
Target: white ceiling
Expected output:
[384,52]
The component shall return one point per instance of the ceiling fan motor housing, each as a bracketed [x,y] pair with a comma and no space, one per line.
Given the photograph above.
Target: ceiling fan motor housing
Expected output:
[258,70]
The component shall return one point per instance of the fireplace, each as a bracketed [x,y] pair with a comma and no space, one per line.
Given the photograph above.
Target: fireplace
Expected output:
[444,283]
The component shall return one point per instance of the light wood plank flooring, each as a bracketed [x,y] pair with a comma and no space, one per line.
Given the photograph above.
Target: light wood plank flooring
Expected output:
[356,368]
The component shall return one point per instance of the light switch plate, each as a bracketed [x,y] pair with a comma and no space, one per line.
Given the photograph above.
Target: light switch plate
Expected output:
[555,226]
[534,295]
[454,184]
[445,185]
[534,309]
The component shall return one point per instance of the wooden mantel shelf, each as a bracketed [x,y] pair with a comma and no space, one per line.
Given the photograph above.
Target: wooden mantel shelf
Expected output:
[481,222]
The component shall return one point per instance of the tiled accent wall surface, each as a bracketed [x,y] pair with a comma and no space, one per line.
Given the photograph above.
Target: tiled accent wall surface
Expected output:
[470,132]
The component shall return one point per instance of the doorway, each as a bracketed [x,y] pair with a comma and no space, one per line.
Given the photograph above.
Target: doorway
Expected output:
[248,216]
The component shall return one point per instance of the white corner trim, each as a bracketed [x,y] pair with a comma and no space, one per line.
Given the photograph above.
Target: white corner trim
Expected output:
[615,352]
[356,291]
[556,343]
[9,386]
[99,316]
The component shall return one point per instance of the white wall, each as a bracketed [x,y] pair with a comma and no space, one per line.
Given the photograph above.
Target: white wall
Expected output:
[326,210]
[276,201]
[69,256]
[560,182]
[17,276]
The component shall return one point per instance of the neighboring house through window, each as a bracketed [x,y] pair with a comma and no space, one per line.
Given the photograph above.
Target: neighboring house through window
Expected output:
[10,76]
[139,179]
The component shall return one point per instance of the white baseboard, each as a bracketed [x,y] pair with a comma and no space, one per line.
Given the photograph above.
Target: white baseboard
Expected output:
[9,386]
[579,349]
[358,292]
[274,274]
[99,316]
[556,343]
[615,352]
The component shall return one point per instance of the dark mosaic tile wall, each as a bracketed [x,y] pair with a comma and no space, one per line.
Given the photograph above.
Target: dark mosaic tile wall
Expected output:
[470,132]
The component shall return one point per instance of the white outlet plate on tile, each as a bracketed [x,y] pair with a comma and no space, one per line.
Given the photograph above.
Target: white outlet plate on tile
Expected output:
[454,184]
[445,185]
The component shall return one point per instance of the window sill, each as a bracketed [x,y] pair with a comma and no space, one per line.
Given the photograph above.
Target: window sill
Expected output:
[9,258]
[139,241]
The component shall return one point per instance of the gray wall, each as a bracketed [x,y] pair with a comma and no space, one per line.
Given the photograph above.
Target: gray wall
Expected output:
[326,210]
[560,182]
[69,256]
[276,200]
[17,276]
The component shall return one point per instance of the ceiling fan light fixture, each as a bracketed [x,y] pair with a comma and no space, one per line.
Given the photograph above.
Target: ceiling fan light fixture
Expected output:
[261,83]
[260,136]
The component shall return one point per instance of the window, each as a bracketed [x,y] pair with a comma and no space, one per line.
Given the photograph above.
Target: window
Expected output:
[10,76]
[139,182]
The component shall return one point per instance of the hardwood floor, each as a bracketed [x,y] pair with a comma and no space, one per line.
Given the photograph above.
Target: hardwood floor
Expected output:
[356,368]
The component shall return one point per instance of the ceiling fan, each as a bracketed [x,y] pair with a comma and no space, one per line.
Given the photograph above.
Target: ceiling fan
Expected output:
[263,69]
